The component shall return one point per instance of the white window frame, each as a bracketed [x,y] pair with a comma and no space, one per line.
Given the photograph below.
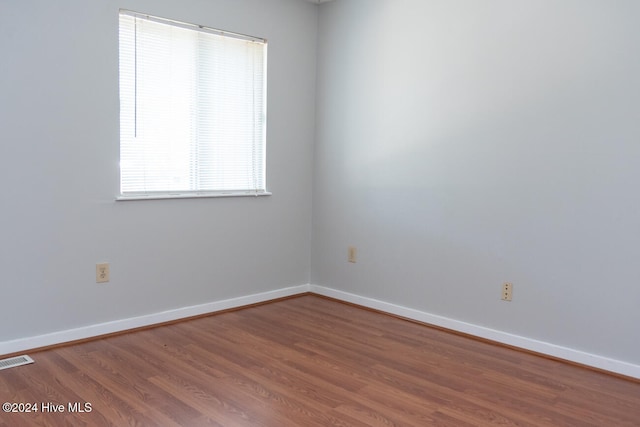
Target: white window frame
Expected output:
[135,183]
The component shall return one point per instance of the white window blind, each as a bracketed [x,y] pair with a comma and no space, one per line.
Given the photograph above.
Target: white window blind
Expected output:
[192,110]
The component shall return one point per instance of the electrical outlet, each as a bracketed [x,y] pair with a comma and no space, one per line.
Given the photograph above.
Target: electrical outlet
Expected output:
[507,291]
[102,272]
[353,252]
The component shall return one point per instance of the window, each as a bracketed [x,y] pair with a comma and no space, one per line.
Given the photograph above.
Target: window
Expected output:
[192,110]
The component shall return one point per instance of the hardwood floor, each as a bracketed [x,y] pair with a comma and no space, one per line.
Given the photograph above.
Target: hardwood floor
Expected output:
[309,361]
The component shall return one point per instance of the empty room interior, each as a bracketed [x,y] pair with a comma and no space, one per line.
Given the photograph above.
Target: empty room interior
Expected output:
[446,232]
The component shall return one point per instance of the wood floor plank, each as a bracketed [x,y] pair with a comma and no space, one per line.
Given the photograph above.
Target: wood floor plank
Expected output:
[311,361]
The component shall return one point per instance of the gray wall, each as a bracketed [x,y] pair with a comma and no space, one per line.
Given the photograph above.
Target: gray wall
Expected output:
[465,143]
[59,121]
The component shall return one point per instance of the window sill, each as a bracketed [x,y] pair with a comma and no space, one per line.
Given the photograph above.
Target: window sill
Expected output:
[163,196]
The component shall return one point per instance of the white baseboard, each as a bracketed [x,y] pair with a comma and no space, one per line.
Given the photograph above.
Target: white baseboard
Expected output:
[600,362]
[96,330]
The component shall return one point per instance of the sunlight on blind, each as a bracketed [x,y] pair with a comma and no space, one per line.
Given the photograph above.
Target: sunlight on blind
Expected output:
[192,109]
